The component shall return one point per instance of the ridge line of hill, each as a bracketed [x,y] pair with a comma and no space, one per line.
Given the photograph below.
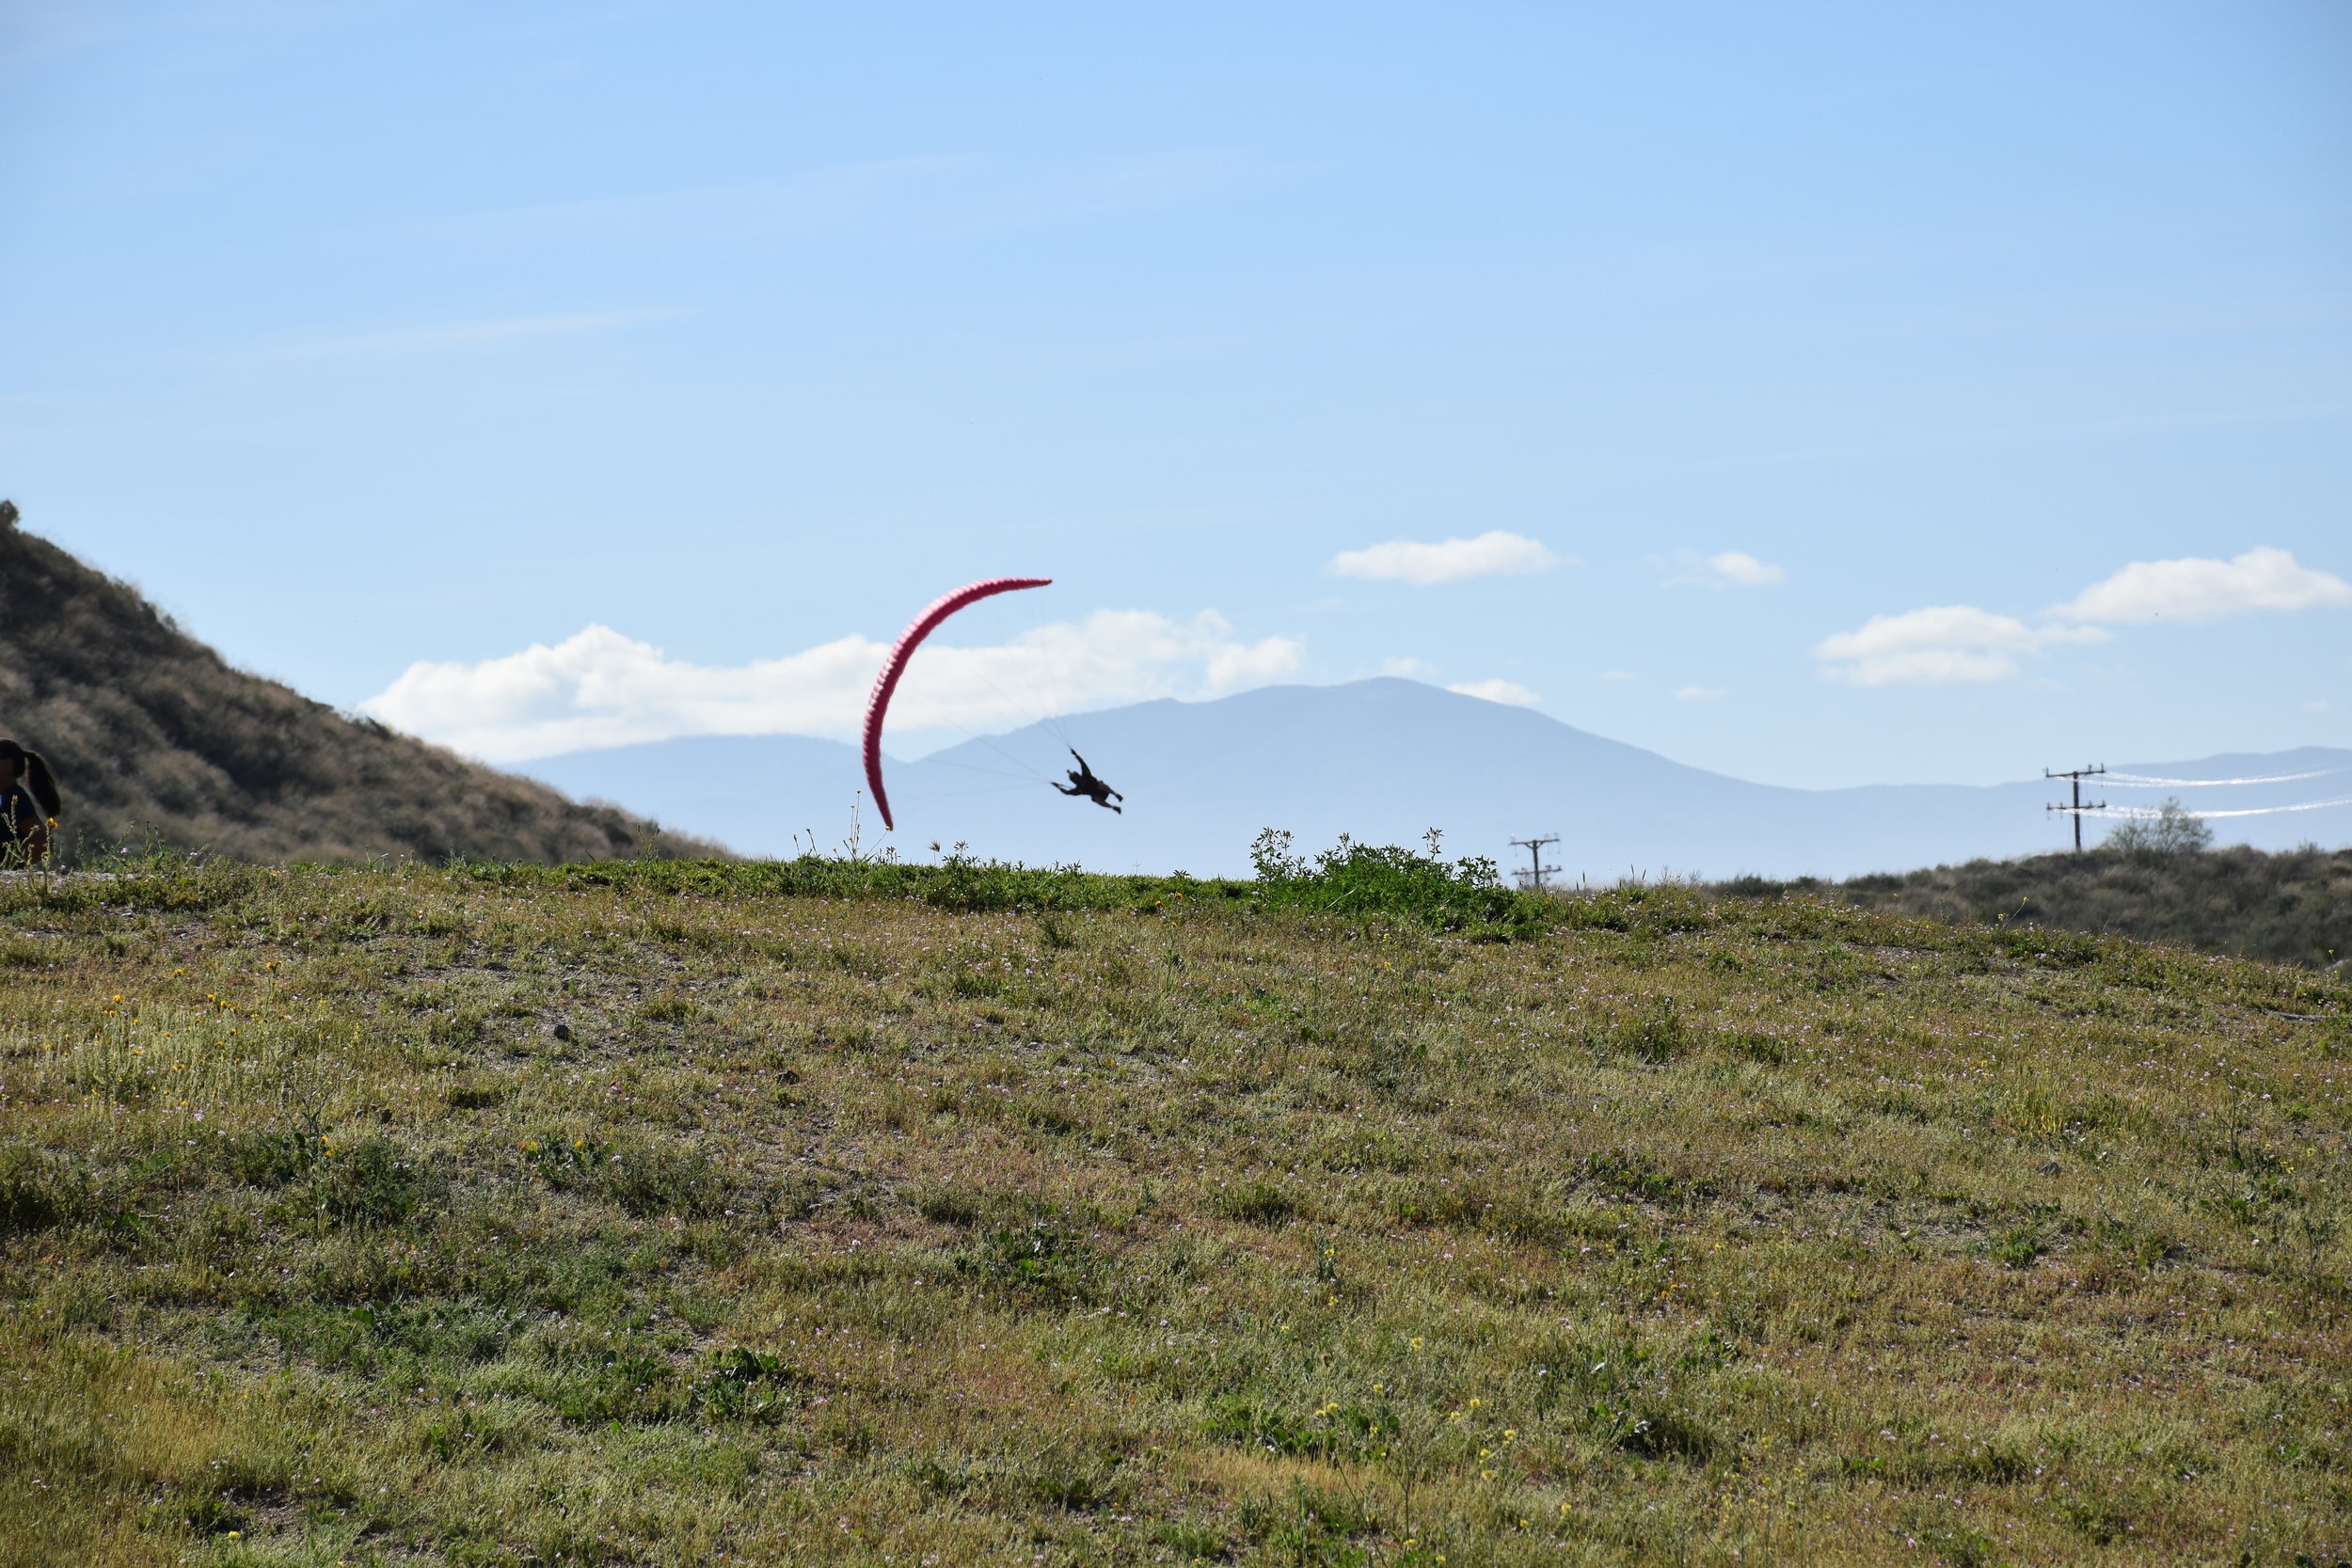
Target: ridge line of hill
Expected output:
[157,739]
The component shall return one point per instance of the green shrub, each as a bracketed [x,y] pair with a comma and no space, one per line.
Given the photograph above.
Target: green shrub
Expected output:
[1352,878]
[2170,829]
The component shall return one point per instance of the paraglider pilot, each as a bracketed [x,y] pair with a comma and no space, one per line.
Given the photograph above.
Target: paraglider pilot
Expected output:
[1083,781]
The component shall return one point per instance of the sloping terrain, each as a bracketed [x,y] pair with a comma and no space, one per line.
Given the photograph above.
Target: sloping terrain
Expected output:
[2293,906]
[667,1213]
[155,739]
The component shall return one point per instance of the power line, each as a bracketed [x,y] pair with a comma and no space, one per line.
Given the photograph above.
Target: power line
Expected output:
[1532,878]
[2075,777]
[2139,780]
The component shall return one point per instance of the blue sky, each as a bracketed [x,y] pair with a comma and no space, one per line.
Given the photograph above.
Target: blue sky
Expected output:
[383,344]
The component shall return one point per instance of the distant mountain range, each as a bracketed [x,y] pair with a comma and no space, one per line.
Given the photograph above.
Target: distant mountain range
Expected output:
[155,736]
[1384,760]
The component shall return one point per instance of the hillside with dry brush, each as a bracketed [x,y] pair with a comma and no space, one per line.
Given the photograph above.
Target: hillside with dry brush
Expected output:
[158,740]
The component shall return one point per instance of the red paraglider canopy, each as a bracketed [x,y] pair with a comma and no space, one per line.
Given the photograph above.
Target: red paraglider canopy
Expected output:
[887,682]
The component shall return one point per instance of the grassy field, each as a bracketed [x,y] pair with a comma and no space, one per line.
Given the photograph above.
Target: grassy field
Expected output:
[669,1213]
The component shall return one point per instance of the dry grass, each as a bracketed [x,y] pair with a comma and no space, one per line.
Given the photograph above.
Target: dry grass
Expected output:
[410,1216]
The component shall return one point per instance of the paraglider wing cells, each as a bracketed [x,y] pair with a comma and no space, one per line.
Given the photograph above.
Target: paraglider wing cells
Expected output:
[877,705]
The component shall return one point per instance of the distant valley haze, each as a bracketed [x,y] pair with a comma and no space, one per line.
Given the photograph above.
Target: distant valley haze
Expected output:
[1384,760]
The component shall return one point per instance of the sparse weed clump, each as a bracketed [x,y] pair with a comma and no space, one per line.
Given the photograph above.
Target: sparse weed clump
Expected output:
[674,1214]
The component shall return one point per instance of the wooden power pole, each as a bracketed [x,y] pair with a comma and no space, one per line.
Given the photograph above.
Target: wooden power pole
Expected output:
[2075,777]
[1535,866]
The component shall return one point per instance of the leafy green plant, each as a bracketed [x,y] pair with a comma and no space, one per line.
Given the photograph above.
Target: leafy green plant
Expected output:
[1352,878]
[740,1383]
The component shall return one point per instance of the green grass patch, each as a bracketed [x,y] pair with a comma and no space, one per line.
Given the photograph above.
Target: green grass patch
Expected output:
[834,1211]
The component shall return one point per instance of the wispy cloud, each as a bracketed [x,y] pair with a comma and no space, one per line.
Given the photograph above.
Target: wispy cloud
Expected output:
[2197,589]
[1946,644]
[1961,642]
[598,687]
[1448,561]
[462,334]
[1509,693]
[1701,693]
[1727,569]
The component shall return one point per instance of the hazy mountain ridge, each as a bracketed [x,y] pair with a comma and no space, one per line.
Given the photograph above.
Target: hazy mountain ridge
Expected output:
[152,733]
[1384,760]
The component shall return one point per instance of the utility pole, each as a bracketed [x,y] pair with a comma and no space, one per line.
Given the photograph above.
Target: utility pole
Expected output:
[2075,777]
[1533,875]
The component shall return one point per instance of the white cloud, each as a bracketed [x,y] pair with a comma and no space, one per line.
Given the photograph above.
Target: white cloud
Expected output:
[1949,643]
[1702,693]
[599,688]
[1410,669]
[1728,569]
[2196,589]
[1403,561]
[1960,642]
[1510,693]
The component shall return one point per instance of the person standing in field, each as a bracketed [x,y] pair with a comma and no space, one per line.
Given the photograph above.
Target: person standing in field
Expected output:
[29,804]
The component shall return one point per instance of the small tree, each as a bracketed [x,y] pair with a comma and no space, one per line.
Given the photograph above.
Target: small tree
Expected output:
[2172,830]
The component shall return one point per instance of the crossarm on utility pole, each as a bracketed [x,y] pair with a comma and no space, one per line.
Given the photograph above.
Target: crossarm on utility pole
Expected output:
[1535,866]
[2074,778]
